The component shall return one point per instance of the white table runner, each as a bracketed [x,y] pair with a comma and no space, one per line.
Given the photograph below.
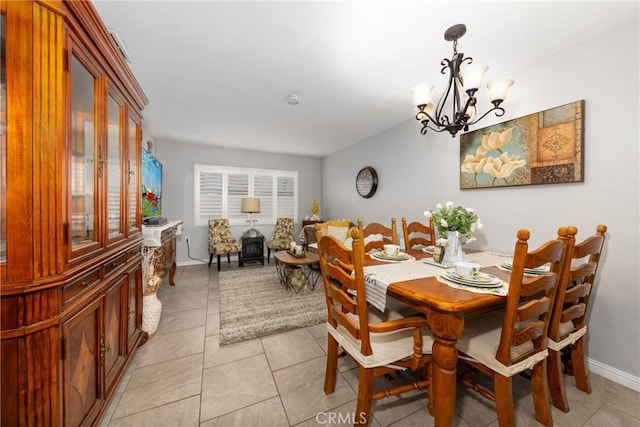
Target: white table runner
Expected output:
[378,277]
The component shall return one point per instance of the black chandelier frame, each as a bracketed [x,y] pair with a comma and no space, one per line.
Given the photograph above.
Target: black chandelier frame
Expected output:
[459,116]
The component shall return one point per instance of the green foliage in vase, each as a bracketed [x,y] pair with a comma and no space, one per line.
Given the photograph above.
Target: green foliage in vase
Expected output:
[455,218]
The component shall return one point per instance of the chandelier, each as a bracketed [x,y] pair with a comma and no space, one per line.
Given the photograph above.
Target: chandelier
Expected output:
[463,85]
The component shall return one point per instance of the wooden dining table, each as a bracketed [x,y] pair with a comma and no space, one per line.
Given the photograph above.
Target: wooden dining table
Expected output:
[446,310]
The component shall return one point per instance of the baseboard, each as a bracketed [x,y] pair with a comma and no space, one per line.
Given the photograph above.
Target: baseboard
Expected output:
[606,371]
[205,260]
[615,375]
[192,262]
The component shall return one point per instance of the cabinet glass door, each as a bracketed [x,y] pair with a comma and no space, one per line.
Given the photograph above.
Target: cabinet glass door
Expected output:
[83,207]
[133,176]
[114,169]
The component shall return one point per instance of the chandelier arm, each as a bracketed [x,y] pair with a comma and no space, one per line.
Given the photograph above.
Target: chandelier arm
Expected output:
[420,117]
[498,110]
[471,101]
[458,59]
[423,131]
[440,119]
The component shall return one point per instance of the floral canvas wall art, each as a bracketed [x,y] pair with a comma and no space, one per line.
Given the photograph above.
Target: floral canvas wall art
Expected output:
[540,148]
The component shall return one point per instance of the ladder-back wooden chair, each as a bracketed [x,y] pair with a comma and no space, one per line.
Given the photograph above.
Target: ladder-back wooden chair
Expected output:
[502,347]
[569,319]
[377,235]
[378,348]
[418,234]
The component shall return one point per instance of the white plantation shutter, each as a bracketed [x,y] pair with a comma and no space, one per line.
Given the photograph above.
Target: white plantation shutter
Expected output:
[208,195]
[219,191]
[286,197]
[263,190]
[237,188]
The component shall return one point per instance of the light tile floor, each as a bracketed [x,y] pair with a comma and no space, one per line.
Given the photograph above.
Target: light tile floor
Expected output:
[182,377]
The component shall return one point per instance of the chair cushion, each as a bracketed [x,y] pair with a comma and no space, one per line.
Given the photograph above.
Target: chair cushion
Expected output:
[225,248]
[480,341]
[279,244]
[387,347]
[570,339]
[339,233]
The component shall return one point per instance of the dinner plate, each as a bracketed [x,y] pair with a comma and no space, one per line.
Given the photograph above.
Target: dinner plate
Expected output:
[429,249]
[484,280]
[538,270]
[401,256]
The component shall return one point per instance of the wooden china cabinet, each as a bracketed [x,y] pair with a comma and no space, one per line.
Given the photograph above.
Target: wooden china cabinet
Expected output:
[70,219]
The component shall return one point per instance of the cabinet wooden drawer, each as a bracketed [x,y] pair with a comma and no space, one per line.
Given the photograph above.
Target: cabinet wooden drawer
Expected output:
[75,287]
[114,263]
[134,252]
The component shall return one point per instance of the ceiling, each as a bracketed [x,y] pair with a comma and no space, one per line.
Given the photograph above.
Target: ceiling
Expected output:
[219,72]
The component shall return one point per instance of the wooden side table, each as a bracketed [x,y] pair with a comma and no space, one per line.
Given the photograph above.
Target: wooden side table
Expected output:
[310,222]
[296,272]
[253,249]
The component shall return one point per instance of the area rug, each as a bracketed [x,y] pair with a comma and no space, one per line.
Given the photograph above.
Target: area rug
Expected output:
[253,304]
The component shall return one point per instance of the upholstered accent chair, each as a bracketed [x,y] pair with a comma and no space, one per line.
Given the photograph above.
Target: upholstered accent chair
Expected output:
[222,242]
[282,236]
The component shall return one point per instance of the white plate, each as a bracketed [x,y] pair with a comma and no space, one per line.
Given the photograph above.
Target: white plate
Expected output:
[401,256]
[538,270]
[484,281]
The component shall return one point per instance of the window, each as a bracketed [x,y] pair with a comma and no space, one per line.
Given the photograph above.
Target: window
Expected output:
[219,191]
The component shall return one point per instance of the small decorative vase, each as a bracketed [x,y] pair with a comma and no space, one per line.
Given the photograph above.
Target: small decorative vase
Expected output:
[151,311]
[453,249]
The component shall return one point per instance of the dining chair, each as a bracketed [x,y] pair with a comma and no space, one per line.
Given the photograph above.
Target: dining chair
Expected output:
[503,346]
[376,235]
[282,236]
[568,325]
[221,241]
[378,348]
[417,233]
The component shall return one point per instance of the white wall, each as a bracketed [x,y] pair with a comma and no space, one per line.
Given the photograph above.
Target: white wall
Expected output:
[179,158]
[416,172]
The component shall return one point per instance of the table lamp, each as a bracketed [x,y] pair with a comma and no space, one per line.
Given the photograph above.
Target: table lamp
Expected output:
[250,205]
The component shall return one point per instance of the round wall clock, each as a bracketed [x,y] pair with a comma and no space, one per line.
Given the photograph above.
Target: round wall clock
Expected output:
[367,182]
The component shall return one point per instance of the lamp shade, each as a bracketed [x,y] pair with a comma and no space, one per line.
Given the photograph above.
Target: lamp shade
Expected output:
[498,90]
[422,94]
[472,76]
[250,205]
